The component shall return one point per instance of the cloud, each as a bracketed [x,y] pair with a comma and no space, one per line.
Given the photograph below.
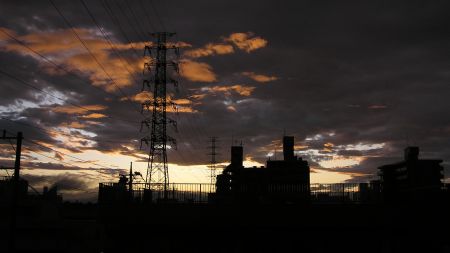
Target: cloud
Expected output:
[78,110]
[259,77]
[239,89]
[197,96]
[231,108]
[140,97]
[197,71]
[377,107]
[246,41]
[74,124]
[210,49]
[59,156]
[182,101]
[4,34]
[390,57]
[182,104]
[94,116]
[182,109]
[243,41]
[62,47]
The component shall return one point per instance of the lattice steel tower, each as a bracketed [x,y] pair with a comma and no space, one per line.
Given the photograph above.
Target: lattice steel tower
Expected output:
[213,153]
[155,69]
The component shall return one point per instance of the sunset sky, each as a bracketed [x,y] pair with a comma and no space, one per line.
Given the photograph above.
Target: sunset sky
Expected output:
[354,83]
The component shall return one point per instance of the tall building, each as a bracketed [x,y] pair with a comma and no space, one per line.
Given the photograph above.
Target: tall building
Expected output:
[412,179]
[284,180]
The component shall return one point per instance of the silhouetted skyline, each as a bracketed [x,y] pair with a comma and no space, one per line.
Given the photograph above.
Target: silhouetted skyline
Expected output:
[354,82]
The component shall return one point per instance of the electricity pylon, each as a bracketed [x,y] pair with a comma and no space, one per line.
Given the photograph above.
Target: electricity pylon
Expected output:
[213,153]
[155,68]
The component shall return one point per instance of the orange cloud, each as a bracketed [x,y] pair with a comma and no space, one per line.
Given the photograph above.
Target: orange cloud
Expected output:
[4,36]
[183,109]
[179,44]
[259,78]
[78,110]
[377,107]
[197,96]
[141,97]
[210,49]
[231,108]
[181,104]
[240,89]
[94,116]
[182,101]
[197,71]
[328,147]
[59,156]
[246,41]
[64,49]
[243,41]
[73,125]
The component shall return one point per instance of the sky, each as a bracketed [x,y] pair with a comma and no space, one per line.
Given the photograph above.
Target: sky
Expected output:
[354,82]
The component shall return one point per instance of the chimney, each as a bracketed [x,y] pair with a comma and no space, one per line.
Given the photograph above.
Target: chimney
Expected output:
[288,148]
[411,153]
[236,155]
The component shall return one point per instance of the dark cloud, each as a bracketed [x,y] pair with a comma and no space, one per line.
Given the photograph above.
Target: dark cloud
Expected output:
[70,186]
[367,72]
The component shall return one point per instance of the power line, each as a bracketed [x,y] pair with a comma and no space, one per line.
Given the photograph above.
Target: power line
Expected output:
[144,9]
[116,21]
[59,161]
[114,49]
[44,130]
[133,14]
[176,152]
[156,12]
[54,96]
[157,15]
[136,29]
[59,67]
[71,156]
[89,51]
[85,161]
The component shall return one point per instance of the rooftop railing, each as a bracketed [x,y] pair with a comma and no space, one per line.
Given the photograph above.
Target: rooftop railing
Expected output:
[206,193]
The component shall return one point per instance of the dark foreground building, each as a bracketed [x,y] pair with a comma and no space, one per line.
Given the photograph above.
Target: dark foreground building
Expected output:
[281,181]
[125,220]
[413,179]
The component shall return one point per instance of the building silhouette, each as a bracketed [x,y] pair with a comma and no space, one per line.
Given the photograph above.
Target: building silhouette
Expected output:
[412,179]
[280,181]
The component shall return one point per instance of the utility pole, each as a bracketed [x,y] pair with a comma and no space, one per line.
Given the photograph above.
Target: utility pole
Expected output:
[130,182]
[156,83]
[15,190]
[213,160]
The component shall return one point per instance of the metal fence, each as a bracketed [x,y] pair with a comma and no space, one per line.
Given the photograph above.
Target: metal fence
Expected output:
[203,193]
